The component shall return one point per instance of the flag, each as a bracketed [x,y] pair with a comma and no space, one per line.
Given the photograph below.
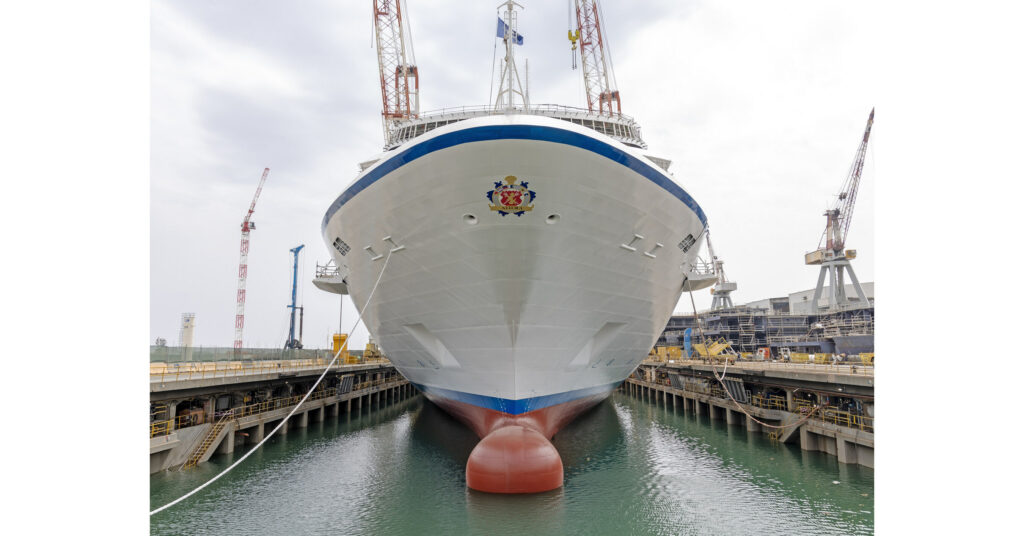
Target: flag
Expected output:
[503,28]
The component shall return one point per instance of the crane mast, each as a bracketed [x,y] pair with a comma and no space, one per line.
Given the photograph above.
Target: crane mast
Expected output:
[830,255]
[602,95]
[292,342]
[399,77]
[243,262]
[723,287]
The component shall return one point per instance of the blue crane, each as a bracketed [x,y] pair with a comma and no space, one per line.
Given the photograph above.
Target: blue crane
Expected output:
[292,341]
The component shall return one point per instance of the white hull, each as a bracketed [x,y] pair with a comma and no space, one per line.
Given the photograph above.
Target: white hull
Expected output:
[515,313]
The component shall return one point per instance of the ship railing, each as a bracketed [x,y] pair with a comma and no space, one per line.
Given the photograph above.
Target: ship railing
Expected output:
[621,127]
[327,271]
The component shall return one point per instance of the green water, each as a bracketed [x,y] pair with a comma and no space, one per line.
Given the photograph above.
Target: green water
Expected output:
[630,468]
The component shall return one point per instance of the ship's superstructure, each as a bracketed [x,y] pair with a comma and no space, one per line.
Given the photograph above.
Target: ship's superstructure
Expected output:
[528,258]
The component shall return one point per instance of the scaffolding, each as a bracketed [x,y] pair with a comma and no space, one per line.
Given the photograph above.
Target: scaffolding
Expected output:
[749,328]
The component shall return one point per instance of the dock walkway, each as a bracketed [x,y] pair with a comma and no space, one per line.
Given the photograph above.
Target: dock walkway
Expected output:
[692,387]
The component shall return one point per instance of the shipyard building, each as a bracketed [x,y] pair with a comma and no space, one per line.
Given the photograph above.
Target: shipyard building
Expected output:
[783,322]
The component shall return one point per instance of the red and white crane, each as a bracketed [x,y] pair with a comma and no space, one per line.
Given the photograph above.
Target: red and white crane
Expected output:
[399,77]
[830,255]
[243,262]
[602,94]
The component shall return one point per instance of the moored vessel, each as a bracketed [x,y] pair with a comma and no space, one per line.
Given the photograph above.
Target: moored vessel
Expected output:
[528,257]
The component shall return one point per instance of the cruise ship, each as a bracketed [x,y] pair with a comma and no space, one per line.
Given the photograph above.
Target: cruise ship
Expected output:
[528,258]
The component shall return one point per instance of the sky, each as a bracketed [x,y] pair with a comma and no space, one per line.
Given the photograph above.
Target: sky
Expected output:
[760,106]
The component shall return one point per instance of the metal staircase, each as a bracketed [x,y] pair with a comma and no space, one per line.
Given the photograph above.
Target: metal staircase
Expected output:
[211,437]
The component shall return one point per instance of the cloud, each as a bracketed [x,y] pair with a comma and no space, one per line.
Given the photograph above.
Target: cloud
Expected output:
[759,107]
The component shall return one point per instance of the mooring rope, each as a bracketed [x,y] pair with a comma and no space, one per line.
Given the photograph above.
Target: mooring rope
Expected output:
[725,388]
[297,406]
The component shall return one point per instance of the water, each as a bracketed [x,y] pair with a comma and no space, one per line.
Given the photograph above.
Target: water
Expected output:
[630,468]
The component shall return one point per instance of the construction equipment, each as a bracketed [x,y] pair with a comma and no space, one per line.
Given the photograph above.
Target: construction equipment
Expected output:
[372,351]
[717,349]
[665,353]
[399,77]
[340,340]
[573,38]
[830,255]
[723,287]
[292,342]
[243,263]
[598,76]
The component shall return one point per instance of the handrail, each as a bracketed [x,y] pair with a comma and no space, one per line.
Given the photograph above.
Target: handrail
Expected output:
[829,414]
[855,368]
[159,428]
[630,130]
[183,421]
[220,369]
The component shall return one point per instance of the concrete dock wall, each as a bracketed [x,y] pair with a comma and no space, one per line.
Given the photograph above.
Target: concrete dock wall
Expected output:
[849,445]
[172,450]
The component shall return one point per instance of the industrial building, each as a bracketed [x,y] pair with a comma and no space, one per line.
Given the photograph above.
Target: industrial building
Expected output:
[783,322]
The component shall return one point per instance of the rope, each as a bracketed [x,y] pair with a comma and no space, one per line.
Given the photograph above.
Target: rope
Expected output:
[297,406]
[725,388]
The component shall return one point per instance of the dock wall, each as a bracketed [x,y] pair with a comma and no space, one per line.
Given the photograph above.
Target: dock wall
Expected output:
[849,444]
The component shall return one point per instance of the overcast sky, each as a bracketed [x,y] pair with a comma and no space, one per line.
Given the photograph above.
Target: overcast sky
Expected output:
[759,106]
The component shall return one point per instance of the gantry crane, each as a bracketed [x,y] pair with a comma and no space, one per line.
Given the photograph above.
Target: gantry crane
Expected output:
[723,287]
[292,342]
[399,77]
[598,77]
[830,255]
[243,262]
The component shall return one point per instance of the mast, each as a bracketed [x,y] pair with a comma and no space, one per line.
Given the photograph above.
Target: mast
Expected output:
[510,85]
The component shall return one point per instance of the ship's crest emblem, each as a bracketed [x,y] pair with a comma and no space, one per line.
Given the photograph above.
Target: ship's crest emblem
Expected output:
[507,197]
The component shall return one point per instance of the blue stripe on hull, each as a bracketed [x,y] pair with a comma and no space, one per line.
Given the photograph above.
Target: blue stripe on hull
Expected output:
[516,407]
[515,132]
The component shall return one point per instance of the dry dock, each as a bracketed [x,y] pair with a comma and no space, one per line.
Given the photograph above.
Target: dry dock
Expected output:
[834,402]
[199,409]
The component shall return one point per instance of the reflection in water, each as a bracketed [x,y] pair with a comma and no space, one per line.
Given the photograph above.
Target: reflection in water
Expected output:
[631,468]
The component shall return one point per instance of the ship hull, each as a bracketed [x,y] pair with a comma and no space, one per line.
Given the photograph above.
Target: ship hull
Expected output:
[527,316]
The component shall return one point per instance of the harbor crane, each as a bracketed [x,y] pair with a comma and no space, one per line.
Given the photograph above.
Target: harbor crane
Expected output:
[598,75]
[830,255]
[243,263]
[399,77]
[292,342]
[723,287]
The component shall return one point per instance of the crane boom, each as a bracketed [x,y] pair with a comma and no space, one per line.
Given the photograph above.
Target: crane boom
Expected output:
[838,217]
[399,77]
[602,95]
[848,196]
[243,262]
